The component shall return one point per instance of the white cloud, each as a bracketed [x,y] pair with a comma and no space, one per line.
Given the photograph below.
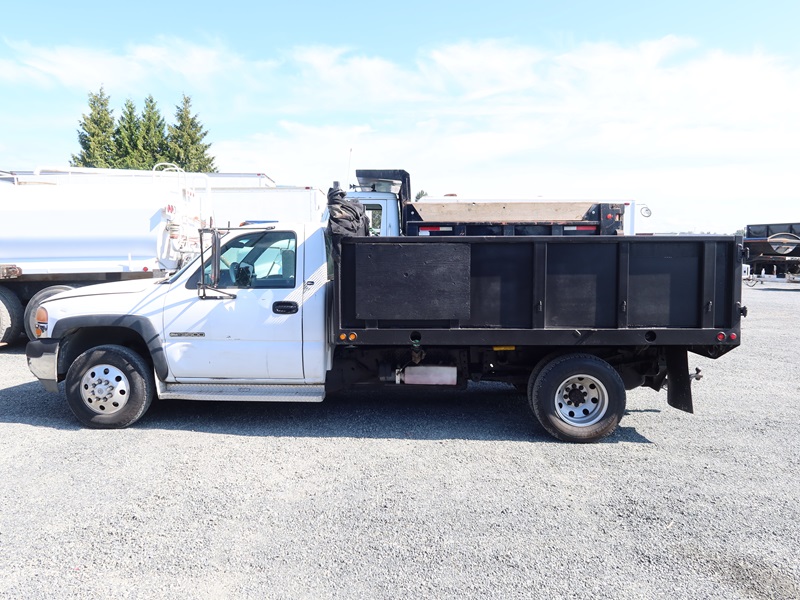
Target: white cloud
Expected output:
[177,62]
[482,70]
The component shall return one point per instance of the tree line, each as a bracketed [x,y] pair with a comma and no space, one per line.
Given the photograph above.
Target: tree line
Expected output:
[141,140]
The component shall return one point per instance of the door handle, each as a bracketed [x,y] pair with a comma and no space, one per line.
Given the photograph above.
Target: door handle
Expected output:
[284,308]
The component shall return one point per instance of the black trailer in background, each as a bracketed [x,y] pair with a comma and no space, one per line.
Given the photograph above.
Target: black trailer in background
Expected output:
[773,249]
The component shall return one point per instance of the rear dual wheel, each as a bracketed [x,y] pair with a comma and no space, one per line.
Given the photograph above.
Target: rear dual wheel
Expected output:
[577,397]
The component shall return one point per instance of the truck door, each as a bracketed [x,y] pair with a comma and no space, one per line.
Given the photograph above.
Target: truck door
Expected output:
[384,215]
[253,334]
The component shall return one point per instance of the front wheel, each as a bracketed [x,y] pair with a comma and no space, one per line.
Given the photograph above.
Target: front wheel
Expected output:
[578,398]
[109,387]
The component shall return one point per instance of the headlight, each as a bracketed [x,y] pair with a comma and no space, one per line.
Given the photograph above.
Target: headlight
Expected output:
[41,322]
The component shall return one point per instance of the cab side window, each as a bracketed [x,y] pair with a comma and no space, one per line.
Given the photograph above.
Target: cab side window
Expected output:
[260,260]
[375,214]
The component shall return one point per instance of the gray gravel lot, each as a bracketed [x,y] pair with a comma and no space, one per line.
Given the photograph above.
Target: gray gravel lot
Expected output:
[414,495]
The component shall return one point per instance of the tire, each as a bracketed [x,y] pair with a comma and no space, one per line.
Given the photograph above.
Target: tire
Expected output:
[526,389]
[11,316]
[109,387]
[578,398]
[35,302]
[537,370]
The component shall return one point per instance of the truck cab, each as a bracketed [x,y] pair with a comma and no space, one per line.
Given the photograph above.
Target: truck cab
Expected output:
[382,193]
[261,321]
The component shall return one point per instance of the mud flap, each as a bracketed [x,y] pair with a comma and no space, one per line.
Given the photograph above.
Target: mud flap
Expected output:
[679,385]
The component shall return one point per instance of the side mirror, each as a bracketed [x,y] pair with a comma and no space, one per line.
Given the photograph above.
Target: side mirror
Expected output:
[210,243]
[209,257]
[215,252]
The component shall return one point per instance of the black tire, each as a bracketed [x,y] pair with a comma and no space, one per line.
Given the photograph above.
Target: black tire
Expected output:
[11,316]
[33,305]
[537,370]
[578,398]
[526,389]
[109,387]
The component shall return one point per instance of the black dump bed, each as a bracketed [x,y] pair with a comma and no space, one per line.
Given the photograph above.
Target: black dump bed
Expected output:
[773,248]
[539,290]
[765,231]
[775,239]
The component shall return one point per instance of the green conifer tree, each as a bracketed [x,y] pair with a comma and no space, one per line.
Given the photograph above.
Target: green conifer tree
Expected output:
[128,140]
[96,134]
[154,133]
[185,145]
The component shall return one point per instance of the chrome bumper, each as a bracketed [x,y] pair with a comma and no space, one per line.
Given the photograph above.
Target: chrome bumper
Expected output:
[43,362]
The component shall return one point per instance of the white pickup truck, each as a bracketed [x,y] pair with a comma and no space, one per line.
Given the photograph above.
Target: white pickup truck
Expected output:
[262,335]
[572,320]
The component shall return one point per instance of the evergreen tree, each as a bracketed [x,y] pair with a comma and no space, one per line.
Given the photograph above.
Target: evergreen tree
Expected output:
[141,141]
[185,145]
[154,134]
[96,135]
[128,140]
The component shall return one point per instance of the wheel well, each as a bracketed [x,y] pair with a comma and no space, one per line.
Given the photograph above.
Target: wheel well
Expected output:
[633,365]
[79,341]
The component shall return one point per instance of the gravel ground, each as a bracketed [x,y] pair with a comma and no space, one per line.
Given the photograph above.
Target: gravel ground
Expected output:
[386,496]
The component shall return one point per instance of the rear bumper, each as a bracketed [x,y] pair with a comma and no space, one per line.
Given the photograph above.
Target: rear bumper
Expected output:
[43,362]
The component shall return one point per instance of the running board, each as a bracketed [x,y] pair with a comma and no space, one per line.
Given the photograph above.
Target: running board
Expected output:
[237,392]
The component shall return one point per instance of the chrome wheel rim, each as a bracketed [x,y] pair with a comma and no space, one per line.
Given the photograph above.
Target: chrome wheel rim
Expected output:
[105,389]
[581,400]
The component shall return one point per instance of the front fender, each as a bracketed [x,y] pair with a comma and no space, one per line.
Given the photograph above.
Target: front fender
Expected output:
[85,325]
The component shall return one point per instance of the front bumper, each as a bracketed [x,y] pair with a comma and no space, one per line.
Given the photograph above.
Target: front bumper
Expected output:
[43,362]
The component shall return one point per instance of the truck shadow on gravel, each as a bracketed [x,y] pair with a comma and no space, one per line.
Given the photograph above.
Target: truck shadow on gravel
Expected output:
[29,404]
[493,413]
[483,412]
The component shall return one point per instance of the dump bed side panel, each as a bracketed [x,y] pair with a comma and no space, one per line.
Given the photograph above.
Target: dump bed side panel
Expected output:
[594,289]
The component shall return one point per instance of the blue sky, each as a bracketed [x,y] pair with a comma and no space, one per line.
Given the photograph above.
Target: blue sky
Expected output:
[692,108]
